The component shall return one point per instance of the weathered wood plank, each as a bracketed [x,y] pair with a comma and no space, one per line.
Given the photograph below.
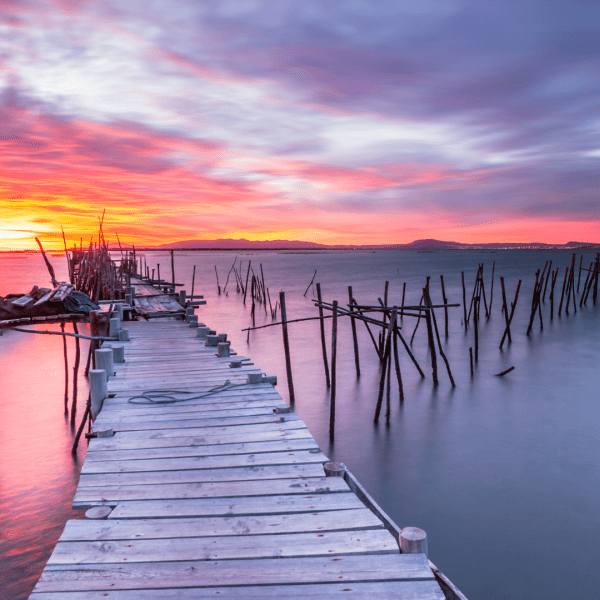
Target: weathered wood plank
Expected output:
[305,443]
[205,573]
[205,462]
[203,435]
[383,590]
[203,423]
[227,507]
[120,421]
[201,475]
[88,496]
[327,543]
[134,529]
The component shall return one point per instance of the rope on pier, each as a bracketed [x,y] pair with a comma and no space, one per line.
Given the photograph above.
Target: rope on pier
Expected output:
[149,396]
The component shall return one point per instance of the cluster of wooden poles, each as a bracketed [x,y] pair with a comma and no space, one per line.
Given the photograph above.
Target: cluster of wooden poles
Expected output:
[386,318]
[259,292]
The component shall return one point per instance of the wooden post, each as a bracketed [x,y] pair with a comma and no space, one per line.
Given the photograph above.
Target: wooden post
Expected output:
[505,306]
[471,358]
[546,284]
[403,296]
[413,541]
[286,344]
[246,286]
[193,281]
[437,335]
[98,390]
[62,328]
[158,273]
[431,345]
[476,329]
[323,344]
[397,363]
[445,307]
[579,276]
[385,363]
[172,267]
[333,370]
[354,336]
[75,375]
[462,274]
[512,312]
[492,288]
[563,291]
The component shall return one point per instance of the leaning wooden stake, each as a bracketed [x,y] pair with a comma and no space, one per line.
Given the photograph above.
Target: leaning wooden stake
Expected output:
[333,370]
[431,344]
[512,313]
[385,363]
[397,363]
[505,307]
[462,274]
[173,266]
[445,307]
[323,343]
[492,288]
[354,336]
[286,347]
[50,268]
[437,335]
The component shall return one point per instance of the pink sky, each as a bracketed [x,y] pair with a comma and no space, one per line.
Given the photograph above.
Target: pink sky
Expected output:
[333,122]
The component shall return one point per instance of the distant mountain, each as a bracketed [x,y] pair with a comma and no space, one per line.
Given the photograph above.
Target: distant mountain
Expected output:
[426,244]
[228,244]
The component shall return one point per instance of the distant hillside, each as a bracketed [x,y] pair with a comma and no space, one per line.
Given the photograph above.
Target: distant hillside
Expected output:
[228,244]
[426,244]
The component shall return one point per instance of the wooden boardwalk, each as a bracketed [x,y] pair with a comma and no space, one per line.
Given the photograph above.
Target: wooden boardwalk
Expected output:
[151,303]
[217,496]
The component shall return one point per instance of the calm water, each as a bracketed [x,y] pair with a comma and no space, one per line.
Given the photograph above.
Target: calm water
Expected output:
[501,472]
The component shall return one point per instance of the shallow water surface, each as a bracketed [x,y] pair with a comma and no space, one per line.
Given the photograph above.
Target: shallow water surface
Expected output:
[502,472]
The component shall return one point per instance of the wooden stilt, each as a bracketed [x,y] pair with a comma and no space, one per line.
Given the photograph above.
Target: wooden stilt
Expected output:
[286,346]
[333,370]
[323,344]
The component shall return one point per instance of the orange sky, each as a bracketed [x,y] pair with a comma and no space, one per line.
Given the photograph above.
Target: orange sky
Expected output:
[214,122]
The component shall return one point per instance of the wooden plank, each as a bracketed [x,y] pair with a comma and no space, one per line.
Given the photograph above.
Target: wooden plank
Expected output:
[225,461]
[205,445]
[133,411]
[134,529]
[228,507]
[201,423]
[284,545]
[201,475]
[202,435]
[89,496]
[304,443]
[123,420]
[380,590]
[249,572]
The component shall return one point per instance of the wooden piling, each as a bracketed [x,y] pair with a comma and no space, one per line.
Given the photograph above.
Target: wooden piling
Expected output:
[333,370]
[437,335]
[193,280]
[445,307]
[546,284]
[579,276]
[492,288]
[462,274]
[354,336]
[505,307]
[64,338]
[385,362]
[246,286]
[397,362]
[476,330]
[172,266]
[512,313]
[403,296]
[75,374]
[563,291]
[431,344]
[323,343]
[286,346]
[471,358]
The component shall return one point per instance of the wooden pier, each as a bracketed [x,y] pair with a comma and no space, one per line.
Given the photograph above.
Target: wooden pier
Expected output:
[218,496]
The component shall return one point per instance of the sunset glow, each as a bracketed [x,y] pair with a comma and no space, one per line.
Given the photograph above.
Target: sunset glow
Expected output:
[333,122]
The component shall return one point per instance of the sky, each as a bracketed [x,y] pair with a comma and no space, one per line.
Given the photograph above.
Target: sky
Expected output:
[340,122]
